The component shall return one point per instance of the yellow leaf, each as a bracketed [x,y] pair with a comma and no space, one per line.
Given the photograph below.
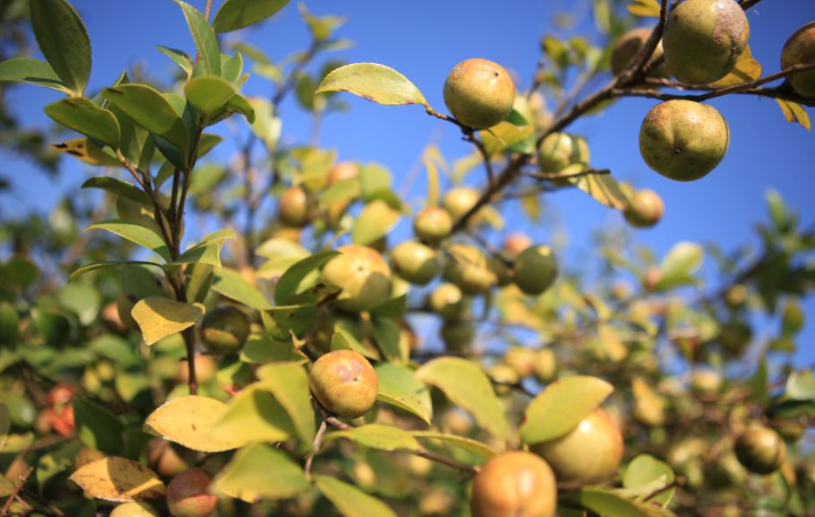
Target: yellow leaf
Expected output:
[747,69]
[645,8]
[119,479]
[189,421]
[793,112]
[432,182]
[602,187]
[504,135]
[159,317]
[87,151]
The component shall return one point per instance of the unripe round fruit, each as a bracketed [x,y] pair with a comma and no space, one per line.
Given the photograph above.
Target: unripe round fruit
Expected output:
[499,268]
[134,509]
[760,449]
[224,330]
[447,301]
[433,224]
[345,383]
[457,335]
[535,270]
[683,140]
[458,201]
[735,296]
[187,494]
[514,484]
[516,243]
[559,150]
[704,38]
[734,337]
[800,50]
[415,262]
[545,365]
[479,93]
[521,359]
[293,207]
[645,209]
[590,453]
[362,274]
[705,382]
[469,269]
[628,46]
[503,375]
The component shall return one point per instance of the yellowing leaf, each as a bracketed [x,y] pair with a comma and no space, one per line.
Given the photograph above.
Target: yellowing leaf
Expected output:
[467,444]
[261,471]
[350,500]
[645,8]
[504,135]
[603,188]
[793,112]
[747,69]
[159,317]
[254,415]
[374,82]
[86,151]
[376,220]
[189,421]
[376,436]
[119,479]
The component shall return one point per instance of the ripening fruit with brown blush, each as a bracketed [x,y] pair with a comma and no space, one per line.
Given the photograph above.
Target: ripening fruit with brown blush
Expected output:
[589,454]
[344,382]
[535,270]
[514,484]
[432,225]
[703,39]
[224,330]
[683,140]
[363,276]
[645,209]
[293,208]
[800,50]
[134,509]
[479,93]
[415,262]
[627,47]
[188,495]
[515,244]
[760,449]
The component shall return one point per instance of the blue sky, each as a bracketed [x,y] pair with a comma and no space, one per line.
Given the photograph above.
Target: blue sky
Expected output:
[424,40]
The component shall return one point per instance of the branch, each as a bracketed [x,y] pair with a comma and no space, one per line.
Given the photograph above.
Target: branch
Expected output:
[746,4]
[11,498]
[315,447]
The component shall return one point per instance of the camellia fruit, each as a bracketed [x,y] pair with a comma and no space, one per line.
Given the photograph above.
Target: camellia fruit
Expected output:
[545,365]
[415,262]
[134,509]
[457,335]
[521,359]
[293,207]
[560,150]
[188,495]
[703,39]
[645,208]
[224,330]
[458,201]
[469,269]
[479,93]
[683,140]
[535,270]
[362,274]
[447,301]
[343,171]
[504,376]
[589,454]
[705,381]
[800,50]
[344,382]
[627,47]
[760,449]
[432,225]
[514,484]
[515,244]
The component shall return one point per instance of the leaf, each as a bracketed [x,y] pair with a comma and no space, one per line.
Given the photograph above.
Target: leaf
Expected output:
[503,136]
[159,317]
[254,415]
[645,469]
[466,385]
[289,284]
[758,381]
[608,504]
[119,479]
[377,436]
[350,500]
[644,8]
[260,471]
[63,40]
[468,444]
[97,427]
[209,94]
[9,325]
[5,425]
[83,300]
[100,265]
[85,117]
[119,188]
[262,349]
[561,406]
[203,253]
[266,126]
[375,221]
[793,112]
[398,386]
[31,71]
[237,14]
[231,284]
[682,261]
[747,69]
[206,42]
[602,187]
[150,109]
[135,233]
[189,420]
[801,385]
[180,57]
[288,382]
[87,151]
[376,83]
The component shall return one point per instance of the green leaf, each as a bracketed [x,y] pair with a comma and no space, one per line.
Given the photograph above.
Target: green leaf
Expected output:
[237,14]
[393,308]
[135,233]
[467,444]
[350,500]
[159,317]
[232,68]
[792,318]
[203,253]
[398,386]
[291,318]
[150,109]
[254,415]
[83,300]
[5,426]
[266,125]
[602,187]
[758,381]
[386,333]
[189,421]
[608,504]
[231,284]
[85,117]
[801,385]
[209,95]
[63,40]
[97,427]
[261,471]
[290,284]
[376,436]
[31,71]
[119,188]
[9,325]
[288,382]
[793,112]
[561,406]
[180,57]
[466,385]
[262,349]
[100,265]
[644,470]
[679,265]
[376,83]
[206,42]
[375,221]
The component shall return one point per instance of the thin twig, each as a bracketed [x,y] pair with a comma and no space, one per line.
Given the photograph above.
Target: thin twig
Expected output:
[13,496]
[315,447]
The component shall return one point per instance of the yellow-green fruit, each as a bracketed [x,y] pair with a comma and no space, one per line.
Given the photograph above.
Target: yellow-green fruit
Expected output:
[457,335]
[800,50]
[735,337]
[760,449]
[705,382]
[447,301]
[458,201]
[559,150]
[514,484]
[345,383]
[503,376]
[703,39]
[590,453]
[735,296]
[432,225]
[651,278]
[628,46]
[535,270]
[134,510]
[294,207]
[469,269]
[521,359]
[645,208]
[479,93]
[683,140]
[224,330]
[188,495]
[415,262]
[362,274]
[545,365]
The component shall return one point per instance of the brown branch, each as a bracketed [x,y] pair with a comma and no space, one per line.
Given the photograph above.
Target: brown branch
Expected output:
[559,176]
[11,498]
[208,9]
[746,4]
[315,447]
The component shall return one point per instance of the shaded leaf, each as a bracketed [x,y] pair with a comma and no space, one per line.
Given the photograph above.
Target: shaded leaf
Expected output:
[180,57]
[468,444]
[159,317]
[119,479]
[85,117]
[289,284]
[377,436]
[209,94]
[373,82]
[237,14]
[247,476]
[97,427]
[231,284]
[118,187]
[5,425]
[189,420]
[63,40]
[644,470]
[32,71]
[254,415]
[399,387]
[100,265]
[350,500]
[288,382]
[135,233]
[602,187]
[375,221]
[205,40]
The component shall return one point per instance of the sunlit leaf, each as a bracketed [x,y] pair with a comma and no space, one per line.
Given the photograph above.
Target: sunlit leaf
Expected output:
[747,69]
[350,500]
[399,387]
[189,420]
[793,112]
[260,472]
[159,317]
[374,82]
[205,39]
[237,14]
[119,479]
[63,40]
[376,436]
[85,117]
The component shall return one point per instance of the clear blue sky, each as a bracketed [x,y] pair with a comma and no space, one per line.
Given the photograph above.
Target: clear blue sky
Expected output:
[424,40]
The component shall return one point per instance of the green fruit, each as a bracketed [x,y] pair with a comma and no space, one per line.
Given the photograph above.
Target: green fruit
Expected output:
[628,46]
[415,262]
[224,330]
[293,207]
[469,269]
[433,224]
[479,93]
[705,382]
[760,449]
[521,359]
[800,50]
[545,365]
[514,484]
[458,201]
[457,335]
[644,209]
[502,273]
[589,454]
[447,301]
[362,274]
[535,270]
[704,38]
[560,150]
[188,496]
[735,337]
[345,383]
[134,510]
[683,140]
[735,296]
